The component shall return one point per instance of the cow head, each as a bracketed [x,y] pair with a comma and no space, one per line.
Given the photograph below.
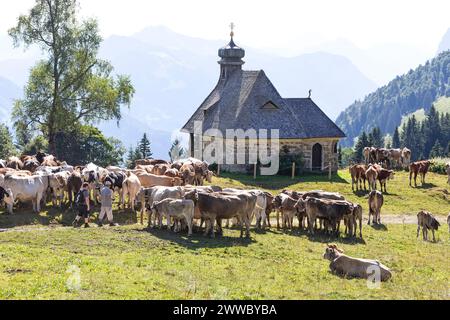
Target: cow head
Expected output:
[391,175]
[6,195]
[332,252]
[300,206]
[277,201]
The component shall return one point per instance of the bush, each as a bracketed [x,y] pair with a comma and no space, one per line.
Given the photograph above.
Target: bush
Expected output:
[439,165]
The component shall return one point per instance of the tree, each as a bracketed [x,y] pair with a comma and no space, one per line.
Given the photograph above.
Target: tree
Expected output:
[396,139]
[37,144]
[7,147]
[437,150]
[375,139]
[71,85]
[359,147]
[144,147]
[431,131]
[87,144]
[176,151]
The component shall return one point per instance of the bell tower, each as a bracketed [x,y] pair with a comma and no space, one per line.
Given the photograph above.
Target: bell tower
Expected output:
[231,57]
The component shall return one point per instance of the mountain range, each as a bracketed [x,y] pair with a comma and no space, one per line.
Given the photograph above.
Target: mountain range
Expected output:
[173,73]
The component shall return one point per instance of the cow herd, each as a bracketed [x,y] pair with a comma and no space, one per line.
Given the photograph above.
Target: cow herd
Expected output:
[174,192]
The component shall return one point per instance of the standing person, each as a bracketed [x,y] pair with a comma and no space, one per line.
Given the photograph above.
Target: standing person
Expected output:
[84,205]
[106,196]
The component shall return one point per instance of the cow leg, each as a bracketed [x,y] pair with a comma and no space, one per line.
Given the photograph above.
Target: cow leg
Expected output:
[247,227]
[418,231]
[278,219]
[212,225]
[434,239]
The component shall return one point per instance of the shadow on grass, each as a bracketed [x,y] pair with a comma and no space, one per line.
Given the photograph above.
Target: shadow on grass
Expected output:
[23,216]
[379,227]
[282,182]
[427,186]
[198,240]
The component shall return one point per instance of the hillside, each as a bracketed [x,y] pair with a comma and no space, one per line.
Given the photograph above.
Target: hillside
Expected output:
[8,92]
[406,94]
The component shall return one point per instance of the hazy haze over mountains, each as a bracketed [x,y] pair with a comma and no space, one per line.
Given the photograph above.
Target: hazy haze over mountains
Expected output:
[173,74]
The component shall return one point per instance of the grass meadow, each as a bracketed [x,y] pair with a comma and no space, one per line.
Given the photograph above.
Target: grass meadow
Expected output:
[42,257]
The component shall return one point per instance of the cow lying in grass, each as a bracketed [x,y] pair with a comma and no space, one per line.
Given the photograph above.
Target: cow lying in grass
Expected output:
[353,267]
[427,221]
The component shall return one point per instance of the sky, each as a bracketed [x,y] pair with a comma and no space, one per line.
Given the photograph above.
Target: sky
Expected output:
[267,24]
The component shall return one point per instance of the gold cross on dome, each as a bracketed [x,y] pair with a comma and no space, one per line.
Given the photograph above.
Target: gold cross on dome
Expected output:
[232,25]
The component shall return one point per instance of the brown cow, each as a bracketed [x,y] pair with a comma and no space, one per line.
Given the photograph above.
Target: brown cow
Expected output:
[352,267]
[214,206]
[376,201]
[358,173]
[350,221]
[427,221]
[187,173]
[419,167]
[287,207]
[372,175]
[383,176]
[74,183]
[14,163]
[173,173]
[149,162]
[331,211]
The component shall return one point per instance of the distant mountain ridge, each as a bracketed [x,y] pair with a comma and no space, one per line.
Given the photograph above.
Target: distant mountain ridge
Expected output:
[384,108]
[173,73]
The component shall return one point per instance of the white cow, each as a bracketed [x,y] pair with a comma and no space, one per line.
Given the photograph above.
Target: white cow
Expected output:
[131,187]
[94,175]
[25,189]
[178,209]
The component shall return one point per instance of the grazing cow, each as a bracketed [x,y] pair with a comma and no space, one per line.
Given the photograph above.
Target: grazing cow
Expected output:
[150,180]
[200,178]
[382,156]
[351,221]
[261,204]
[358,173]
[376,202]
[74,183]
[14,163]
[352,267]
[287,207]
[26,189]
[149,195]
[59,186]
[175,208]
[427,221]
[406,157]
[366,154]
[323,195]
[372,175]
[383,176]
[220,206]
[187,172]
[395,156]
[331,211]
[418,168]
[131,187]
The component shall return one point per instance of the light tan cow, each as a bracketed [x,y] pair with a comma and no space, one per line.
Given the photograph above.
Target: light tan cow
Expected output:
[150,180]
[176,209]
[376,201]
[346,266]
[372,175]
[406,157]
[350,221]
[427,221]
[358,173]
[131,187]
